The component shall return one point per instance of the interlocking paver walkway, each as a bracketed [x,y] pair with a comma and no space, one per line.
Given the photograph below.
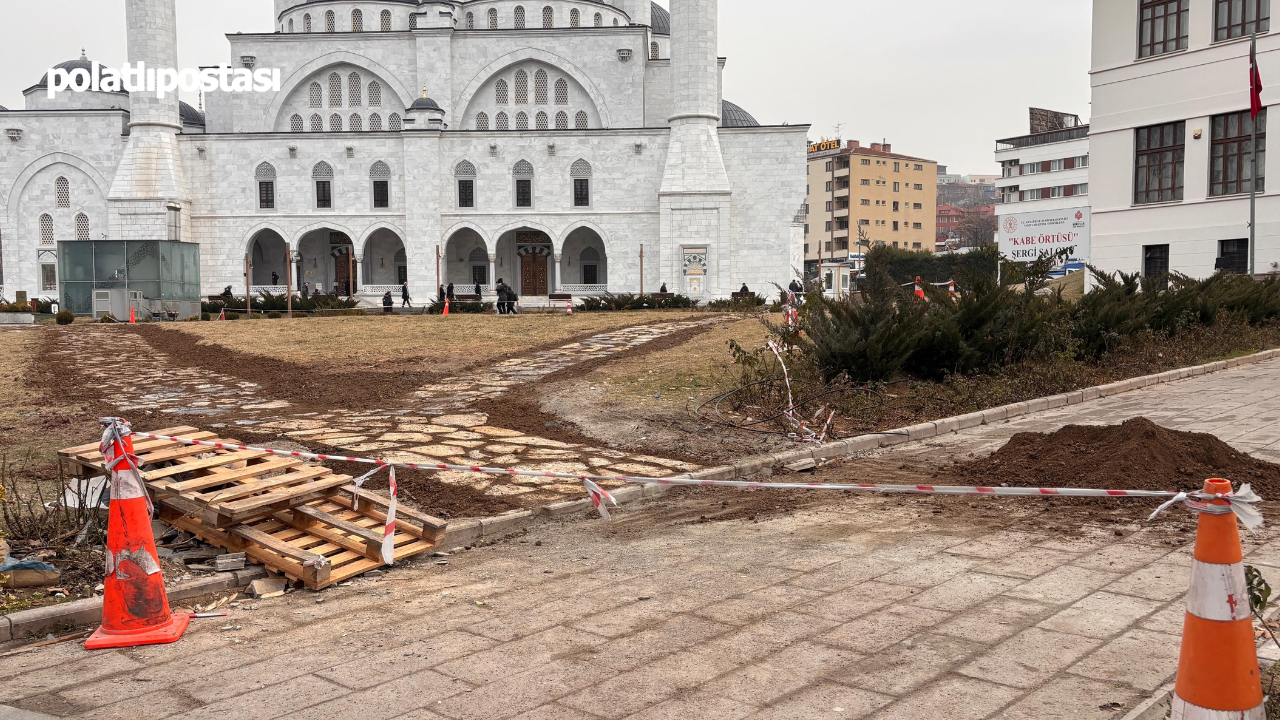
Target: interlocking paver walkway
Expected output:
[854,608]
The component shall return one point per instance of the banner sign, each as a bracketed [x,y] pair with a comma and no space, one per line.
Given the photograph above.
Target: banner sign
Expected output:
[1024,237]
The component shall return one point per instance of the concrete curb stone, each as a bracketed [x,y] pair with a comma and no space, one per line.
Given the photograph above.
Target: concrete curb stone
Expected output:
[89,610]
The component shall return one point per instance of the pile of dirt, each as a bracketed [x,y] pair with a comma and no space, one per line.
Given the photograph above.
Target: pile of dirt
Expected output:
[1136,455]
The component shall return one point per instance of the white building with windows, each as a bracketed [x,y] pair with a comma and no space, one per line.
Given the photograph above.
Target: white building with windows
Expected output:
[552,144]
[1169,136]
[1046,169]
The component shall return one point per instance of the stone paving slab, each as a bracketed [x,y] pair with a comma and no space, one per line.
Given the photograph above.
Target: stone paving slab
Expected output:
[854,608]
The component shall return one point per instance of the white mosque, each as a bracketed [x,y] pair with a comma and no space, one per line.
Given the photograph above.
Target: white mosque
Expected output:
[565,146]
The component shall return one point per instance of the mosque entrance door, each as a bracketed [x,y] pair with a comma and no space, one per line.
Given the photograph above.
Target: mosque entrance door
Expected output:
[533,274]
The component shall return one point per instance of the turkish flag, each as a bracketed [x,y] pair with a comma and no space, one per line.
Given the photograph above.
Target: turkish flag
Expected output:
[1255,84]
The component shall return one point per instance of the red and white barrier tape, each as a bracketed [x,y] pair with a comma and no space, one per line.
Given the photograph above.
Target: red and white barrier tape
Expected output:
[1240,502]
[808,434]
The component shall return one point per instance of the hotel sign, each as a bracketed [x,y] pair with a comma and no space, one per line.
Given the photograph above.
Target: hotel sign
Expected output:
[825,147]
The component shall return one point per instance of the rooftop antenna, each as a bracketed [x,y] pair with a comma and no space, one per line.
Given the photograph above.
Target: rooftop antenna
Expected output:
[838,126]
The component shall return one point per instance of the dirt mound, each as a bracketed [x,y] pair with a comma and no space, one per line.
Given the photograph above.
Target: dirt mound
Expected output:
[1137,455]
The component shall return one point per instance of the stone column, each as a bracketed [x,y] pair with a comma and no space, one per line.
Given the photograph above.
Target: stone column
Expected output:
[493,268]
[694,199]
[553,282]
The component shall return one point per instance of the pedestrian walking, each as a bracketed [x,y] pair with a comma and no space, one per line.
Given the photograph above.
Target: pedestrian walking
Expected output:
[478,291]
[795,287]
[501,289]
[275,278]
[448,293]
[441,297]
[306,290]
[404,294]
[387,303]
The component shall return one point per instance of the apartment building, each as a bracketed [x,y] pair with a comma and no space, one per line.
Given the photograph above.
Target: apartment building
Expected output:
[1046,169]
[1170,136]
[891,197]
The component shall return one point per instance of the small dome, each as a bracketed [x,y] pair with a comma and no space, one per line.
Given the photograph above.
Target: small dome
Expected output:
[733,116]
[83,63]
[661,22]
[190,115]
[424,103]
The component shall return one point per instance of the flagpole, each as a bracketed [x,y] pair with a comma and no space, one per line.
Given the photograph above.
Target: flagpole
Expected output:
[1253,152]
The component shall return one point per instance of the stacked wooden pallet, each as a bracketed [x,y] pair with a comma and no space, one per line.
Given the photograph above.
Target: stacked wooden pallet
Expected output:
[300,519]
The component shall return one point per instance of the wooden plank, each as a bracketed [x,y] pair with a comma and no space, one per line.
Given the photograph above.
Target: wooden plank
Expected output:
[241,510]
[255,486]
[224,476]
[421,525]
[90,449]
[205,464]
[274,545]
[345,526]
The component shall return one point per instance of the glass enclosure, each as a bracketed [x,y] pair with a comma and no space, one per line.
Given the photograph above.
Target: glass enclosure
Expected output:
[163,272]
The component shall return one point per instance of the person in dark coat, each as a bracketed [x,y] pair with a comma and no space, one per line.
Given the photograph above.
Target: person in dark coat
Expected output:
[275,278]
[663,289]
[744,288]
[387,302]
[795,287]
[404,294]
[448,292]
[306,290]
[477,289]
[441,298]
[501,290]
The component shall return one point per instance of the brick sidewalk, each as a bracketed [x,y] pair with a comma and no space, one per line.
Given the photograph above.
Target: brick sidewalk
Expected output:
[857,608]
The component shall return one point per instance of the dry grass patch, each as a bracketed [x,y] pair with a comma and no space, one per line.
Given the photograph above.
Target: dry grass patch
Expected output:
[457,339]
[33,428]
[694,370]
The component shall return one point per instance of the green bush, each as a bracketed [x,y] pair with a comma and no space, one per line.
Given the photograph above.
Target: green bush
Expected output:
[273,315]
[631,301]
[65,317]
[231,316]
[466,307]
[205,316]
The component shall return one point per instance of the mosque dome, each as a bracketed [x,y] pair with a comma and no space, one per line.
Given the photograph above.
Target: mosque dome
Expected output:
[733,116]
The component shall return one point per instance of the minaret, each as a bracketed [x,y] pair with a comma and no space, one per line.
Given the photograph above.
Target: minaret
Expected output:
[150,176]
[695,193]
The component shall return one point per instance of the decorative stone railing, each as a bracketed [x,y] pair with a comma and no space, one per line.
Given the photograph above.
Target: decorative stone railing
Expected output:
[584,289]
[273,289]
[378,290]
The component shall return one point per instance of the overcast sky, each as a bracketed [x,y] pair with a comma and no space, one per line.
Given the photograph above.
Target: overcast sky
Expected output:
[939,79]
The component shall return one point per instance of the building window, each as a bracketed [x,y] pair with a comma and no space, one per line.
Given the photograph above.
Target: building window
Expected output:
[1162,26]
[355,123]
[1230,171]
[306,22]
[522,121]
[330,22]
[290,26]
[524,192]
[562,120]
[82,226]
[548,17]
[1155,262]
[502,122]
[896,167]
[562,92]
[354,85]
[317,123]
[175,224]
[316,100]
[895,226]
[471,21]
[335,123]
[540,87]
[896,187]
[864,182]
[519,15]
[482,121]
[918,167]
[394,124]
[381,194]
[385,18]
[357,21]
[322,174]
[493,18]
[541,122]
[295,123]
[521,88]
[1233,256]
[866,161]
[574,18]
[1081,189]
[500,92]
[62,192]
[413,21]
[917,206]
[265,174]
[46,229]
[335,90]
[599,20]
[580,120]
[828,186]
[1159,156]
[375,123]
[1238,18]
[465,172]
[580,171]
[917,226]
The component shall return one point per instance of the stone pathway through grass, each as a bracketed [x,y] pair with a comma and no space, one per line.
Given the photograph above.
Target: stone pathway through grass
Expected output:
[433,426]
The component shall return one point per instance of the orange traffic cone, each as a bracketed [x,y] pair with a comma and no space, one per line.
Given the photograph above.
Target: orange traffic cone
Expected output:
[135,607]
[951,289]
[568,305]
[222,315]
[132,319]
[1218,666]
[446,307]
[919,290]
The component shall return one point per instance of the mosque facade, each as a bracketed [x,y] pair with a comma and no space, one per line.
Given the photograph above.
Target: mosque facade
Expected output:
[564,146]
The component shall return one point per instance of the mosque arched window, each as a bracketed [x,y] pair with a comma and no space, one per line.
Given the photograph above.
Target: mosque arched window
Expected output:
[522,88]
[653,50]
[386,20]
[562,92]
[375,123]
[493,18]
[394,124]
[519,15]
[290,25]
[317,98]
[471,21]
[82,226]
[295,123]
[502,122]
[580,120]
[62,192]
[306,23]
[522,121]
[575,18]
[482,121]
[46,229]
[540,121]
[375,94]
[355,123]
[357,20]
[548,17]
[335,90]
[330,22]
[562,120]
[540,87]
[317,123]
[599,20]
[500,92]
[335,123]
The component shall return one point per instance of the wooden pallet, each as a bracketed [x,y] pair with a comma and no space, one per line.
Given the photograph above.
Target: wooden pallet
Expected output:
[301,520]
